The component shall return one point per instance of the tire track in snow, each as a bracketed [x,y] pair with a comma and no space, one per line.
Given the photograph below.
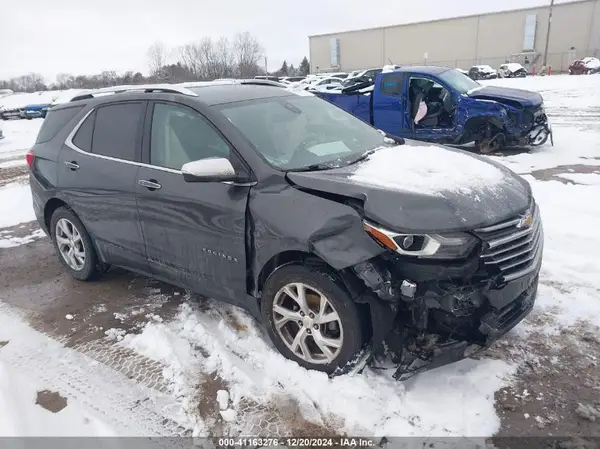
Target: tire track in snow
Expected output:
[129,408]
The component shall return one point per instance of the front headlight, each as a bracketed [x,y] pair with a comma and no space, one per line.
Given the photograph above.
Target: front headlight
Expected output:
[429,246]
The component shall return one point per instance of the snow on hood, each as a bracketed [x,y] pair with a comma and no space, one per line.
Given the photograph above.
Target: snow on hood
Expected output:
[427,169]
[424,187]
[486,68]
[591,63]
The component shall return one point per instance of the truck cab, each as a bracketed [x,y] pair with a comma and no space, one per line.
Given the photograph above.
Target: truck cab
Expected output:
[459,109]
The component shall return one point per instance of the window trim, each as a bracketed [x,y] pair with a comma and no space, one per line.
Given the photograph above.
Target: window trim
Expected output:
[150,117]
[235,156]
[71,145]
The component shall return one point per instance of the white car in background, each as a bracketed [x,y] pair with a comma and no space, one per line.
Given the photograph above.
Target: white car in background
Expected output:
[325,84]
[512,70]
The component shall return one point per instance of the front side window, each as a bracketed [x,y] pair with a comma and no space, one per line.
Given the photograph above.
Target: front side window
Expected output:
[116,129]
[181,135]
[296,132]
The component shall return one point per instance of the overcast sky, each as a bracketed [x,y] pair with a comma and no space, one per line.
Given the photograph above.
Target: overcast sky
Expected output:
[86,36]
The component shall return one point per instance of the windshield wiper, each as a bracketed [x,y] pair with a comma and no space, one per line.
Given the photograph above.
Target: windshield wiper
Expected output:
[315,167]
[364,155]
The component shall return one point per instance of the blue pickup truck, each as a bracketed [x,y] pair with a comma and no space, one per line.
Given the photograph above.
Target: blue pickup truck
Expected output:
[459,110]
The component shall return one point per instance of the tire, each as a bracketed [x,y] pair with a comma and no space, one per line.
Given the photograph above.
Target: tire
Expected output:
[90,266]
[315,281]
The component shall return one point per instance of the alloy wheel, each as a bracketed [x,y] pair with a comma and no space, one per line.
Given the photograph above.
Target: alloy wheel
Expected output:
[308,323]
[70,244]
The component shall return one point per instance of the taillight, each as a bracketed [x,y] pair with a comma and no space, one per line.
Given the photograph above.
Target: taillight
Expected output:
[30,157]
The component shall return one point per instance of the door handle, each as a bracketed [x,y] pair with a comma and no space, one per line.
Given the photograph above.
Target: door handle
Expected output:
[150,184]
[72,165]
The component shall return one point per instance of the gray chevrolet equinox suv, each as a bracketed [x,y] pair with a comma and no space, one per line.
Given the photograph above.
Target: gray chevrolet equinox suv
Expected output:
[347,244]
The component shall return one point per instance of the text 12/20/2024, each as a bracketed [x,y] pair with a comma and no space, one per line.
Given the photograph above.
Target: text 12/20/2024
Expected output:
[327,442]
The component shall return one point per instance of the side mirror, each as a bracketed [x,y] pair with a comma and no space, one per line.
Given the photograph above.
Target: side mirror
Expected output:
[214,169]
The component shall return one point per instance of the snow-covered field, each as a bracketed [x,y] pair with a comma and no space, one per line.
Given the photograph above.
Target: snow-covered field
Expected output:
[258,391]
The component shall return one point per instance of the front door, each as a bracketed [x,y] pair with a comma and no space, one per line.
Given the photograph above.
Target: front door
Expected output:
[391,111]
[438,125]
[97,171]
[194,232]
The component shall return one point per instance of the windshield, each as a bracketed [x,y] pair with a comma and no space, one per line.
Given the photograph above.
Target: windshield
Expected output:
[458,81]
[295,132]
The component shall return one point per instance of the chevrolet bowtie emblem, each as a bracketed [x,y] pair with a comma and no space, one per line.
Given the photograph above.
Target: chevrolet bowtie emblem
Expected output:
[525,222]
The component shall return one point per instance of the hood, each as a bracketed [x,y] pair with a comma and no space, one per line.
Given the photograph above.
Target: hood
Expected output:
[420,187]
[525,98]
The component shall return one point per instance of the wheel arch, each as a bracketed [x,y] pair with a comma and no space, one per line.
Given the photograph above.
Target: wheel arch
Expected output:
[51,205]
[347,279]
[55,203]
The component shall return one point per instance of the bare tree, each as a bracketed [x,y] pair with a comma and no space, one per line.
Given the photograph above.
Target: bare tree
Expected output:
[248,53]
[189,56]
[225,58]
[157,58]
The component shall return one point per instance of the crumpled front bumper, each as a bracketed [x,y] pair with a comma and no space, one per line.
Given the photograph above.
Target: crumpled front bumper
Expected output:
[539,134]
[519,298]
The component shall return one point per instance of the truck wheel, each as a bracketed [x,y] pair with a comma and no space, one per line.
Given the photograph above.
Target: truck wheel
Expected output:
[311,319]
[73,245]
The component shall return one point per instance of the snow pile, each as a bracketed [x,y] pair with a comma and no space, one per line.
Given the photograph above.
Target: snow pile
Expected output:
[15,205]
[452,400]
[20,100]
[428,169]
[6,241]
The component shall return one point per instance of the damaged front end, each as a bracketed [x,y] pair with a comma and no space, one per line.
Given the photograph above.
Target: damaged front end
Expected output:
[431,308]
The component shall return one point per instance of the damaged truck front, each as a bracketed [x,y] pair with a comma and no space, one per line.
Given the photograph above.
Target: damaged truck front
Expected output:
[360,244]
[459,110]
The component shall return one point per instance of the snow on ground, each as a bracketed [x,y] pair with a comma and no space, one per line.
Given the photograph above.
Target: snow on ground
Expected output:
[16,205]
[573,107]
[49,390]
[20,100]
[371,403]
[211,339]
[20,135]
[21,416]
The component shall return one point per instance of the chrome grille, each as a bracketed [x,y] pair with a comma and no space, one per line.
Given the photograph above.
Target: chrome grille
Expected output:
[511,249]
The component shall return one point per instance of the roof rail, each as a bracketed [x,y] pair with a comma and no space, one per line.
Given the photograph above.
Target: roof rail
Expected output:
[222,82]
[164,88]
[260,82]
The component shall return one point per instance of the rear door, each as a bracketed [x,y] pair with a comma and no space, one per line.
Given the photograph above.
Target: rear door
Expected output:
[390,105]
[194,232]
[97,170]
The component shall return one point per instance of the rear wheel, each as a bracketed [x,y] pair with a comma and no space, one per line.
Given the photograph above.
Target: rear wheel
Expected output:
[73,244]
[311,319]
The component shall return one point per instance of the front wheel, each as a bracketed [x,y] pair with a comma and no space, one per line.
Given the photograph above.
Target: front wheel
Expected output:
[311,319]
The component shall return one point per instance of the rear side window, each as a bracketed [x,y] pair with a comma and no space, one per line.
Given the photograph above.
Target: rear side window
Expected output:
[83,136]
[392,84]
[55,121]
[116,130]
